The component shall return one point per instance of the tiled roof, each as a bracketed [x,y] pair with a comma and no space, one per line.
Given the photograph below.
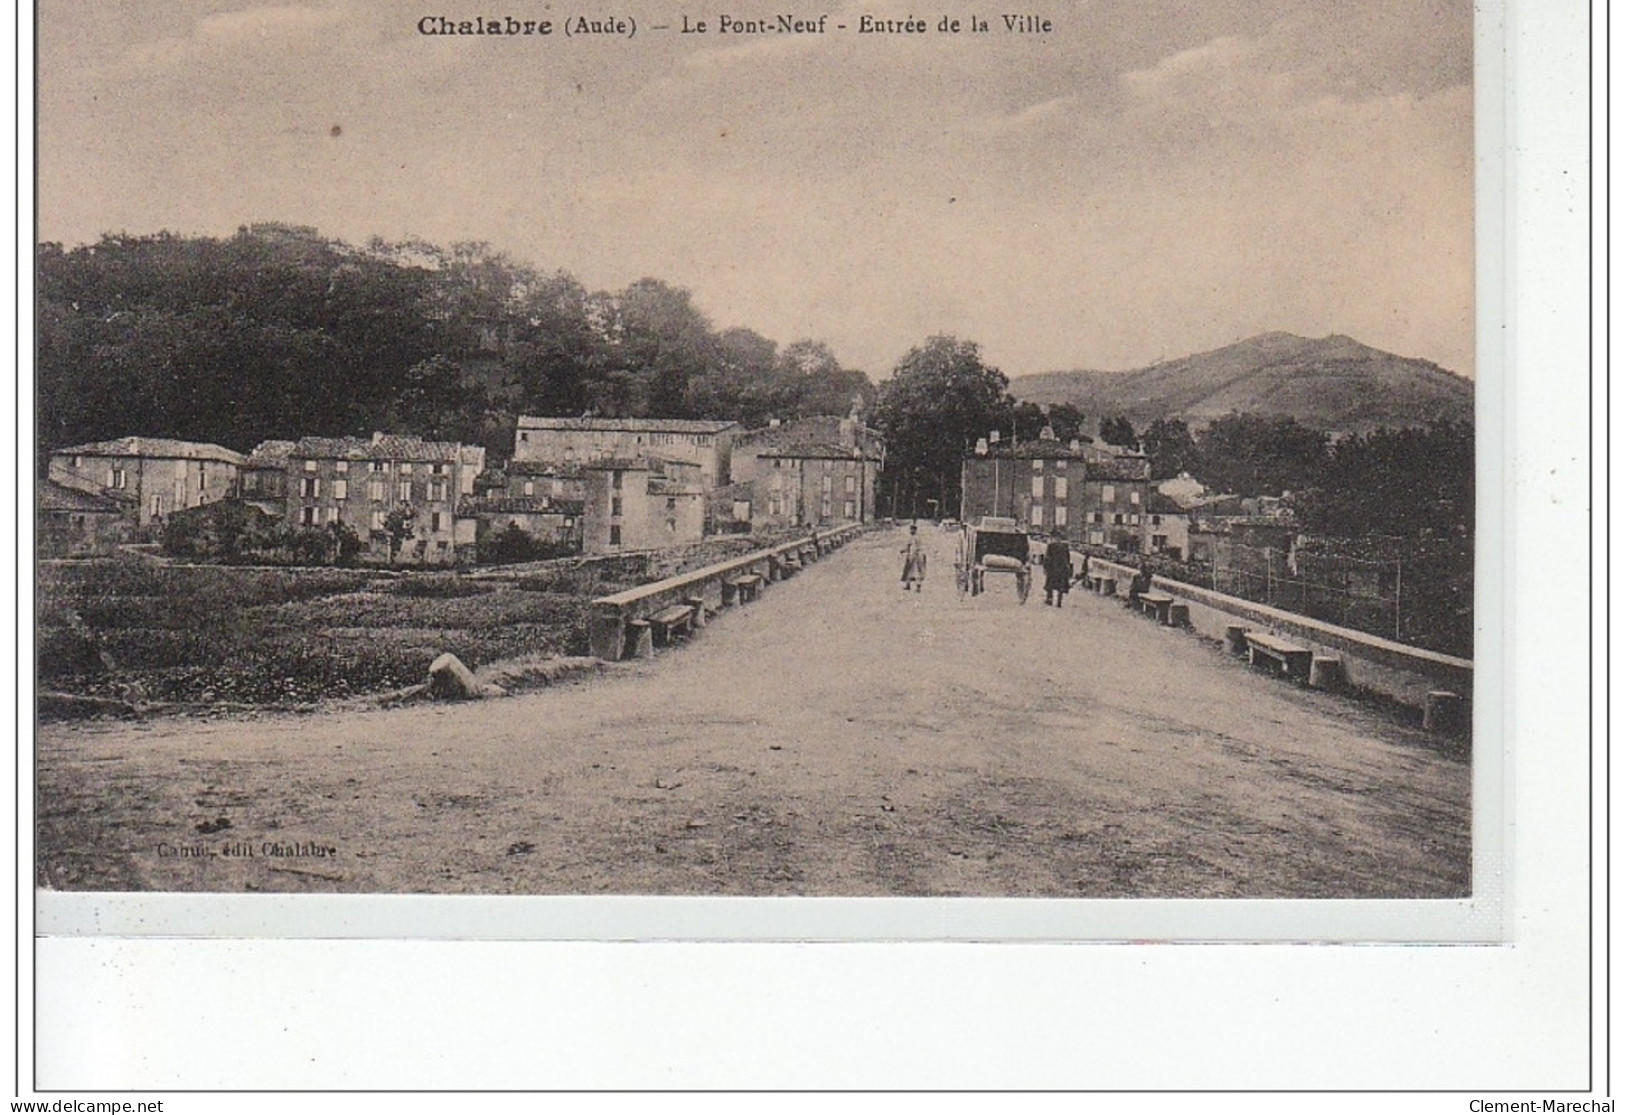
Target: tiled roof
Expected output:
[156,447]
[640,425]
[51,496]
[1158,504]
[817,451]
[273,452]
[382,447]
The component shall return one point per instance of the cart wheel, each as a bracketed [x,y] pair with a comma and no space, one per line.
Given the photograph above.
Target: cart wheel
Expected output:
[1024,585]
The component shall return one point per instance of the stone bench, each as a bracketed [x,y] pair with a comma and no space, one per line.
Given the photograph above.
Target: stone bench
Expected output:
[742,589]
[1157,604]
[673,622]
[1293,660]
[1105,586]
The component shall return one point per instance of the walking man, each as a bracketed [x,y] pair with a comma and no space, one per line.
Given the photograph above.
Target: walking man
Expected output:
[1057,571]
[913,560]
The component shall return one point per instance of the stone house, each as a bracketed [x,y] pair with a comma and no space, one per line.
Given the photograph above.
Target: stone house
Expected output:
[74,523]
[641,504]
[578,442]
[808,472]
[150,476]
[1072,490]
[358,482]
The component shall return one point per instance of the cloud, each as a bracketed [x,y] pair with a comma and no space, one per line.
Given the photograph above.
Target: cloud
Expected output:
[253,30]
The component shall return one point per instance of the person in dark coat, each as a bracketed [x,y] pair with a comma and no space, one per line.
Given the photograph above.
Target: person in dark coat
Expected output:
[1057,572]
[1140,585]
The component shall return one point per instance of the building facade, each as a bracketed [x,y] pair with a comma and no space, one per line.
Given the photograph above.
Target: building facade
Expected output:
[641,504]
[1067,490]
[404,497]
[808,472]
[576,442]
[152,477]
[73,523]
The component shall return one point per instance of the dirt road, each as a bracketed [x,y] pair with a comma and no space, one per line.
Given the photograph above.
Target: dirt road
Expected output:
[836,737]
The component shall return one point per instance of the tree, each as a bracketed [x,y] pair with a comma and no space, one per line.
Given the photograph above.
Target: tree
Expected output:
[398,525]
[940,399]
[1171,448]
[1253,455]
[1118,430]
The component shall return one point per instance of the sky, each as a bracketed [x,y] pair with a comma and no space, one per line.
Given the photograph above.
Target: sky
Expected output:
[1148,180]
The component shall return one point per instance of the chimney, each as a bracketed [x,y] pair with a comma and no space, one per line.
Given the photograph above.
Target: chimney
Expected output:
[981,447]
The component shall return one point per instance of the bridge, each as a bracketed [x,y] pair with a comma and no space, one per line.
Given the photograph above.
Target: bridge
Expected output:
[830,735]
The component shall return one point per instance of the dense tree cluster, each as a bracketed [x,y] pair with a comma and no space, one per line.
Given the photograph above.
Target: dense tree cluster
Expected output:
[281,332]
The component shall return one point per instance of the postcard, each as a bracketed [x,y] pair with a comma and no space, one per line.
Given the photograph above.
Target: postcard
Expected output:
[867,474]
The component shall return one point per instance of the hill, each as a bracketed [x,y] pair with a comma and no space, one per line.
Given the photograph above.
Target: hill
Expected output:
[1331,383]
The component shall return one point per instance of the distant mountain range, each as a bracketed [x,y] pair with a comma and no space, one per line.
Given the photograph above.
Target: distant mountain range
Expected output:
[1332,383]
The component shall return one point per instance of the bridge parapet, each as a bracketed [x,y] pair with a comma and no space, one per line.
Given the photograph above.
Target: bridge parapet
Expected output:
[1410,675]
[617,621]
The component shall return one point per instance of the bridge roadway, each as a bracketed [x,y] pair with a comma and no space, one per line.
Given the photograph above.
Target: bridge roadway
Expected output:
[836,737]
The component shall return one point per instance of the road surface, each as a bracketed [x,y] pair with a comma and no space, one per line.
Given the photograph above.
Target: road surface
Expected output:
[836,737]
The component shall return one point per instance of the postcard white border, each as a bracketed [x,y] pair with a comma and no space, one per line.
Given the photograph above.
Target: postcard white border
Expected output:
[1513,1016]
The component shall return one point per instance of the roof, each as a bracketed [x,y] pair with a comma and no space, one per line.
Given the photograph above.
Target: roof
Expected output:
[272,452]
[818,451]
[51,496]
[1044,449]
[380,447]
[1118,468]
[156,447]
[641,425]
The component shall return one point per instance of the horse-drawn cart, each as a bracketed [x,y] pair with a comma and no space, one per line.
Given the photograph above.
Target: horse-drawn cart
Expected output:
[994,545]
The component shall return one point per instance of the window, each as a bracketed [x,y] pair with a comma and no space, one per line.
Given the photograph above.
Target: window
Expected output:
[1038,465]
[1060,515]
[773,504]
[341,467]
[524,435]
[1038,515]
[406,468]
[78,462]
[615,479]
[441,545]
[377,520]
[377,491]
[1159,541]
[1156,520]
[530,487]
[1108,494]
[202,477]
[1060,487]
[307,516]
[850,510]
[777,463]
[851,484]
[615,505]
[671,526]
[341,488]
[1097,538]
[157,507]
[434,523]
[1038,487]
[437,470]
[403,491]
[310,487]
[310,466]
[1117,520]
[118,478]
[615,535]
[332,514]
[380,466]
[558,487]
[437,489]
[1134,498]
[671,503]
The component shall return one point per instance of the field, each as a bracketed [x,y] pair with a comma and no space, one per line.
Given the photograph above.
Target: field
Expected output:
[137,633]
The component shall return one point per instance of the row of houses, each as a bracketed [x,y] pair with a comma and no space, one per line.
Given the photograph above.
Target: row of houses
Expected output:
[596,485]
[1103,495]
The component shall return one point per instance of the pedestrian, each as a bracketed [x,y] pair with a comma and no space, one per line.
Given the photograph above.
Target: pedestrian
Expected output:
[1057,571]
[1140,584]
[913,560]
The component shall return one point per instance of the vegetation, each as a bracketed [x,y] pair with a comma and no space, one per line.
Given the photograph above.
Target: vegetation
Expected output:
[278,331]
